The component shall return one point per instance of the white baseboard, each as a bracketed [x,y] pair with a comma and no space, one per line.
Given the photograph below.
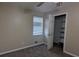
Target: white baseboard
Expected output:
[70,54]
[20,48]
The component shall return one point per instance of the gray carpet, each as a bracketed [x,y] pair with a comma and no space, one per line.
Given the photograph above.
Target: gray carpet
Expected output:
[37,51]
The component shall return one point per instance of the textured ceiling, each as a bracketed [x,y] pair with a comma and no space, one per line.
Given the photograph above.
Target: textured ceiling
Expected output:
[46,7]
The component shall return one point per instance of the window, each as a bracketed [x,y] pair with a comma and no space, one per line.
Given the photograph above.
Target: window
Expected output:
[37,25]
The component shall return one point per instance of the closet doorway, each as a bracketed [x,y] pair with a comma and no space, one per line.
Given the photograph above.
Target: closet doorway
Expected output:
[59,31]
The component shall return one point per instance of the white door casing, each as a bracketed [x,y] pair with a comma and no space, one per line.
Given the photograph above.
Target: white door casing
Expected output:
[50,31]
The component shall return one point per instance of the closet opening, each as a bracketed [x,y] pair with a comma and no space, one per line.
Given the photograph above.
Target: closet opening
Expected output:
[59,31]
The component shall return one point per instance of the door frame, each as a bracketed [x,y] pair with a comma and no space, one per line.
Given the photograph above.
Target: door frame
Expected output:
[65,32]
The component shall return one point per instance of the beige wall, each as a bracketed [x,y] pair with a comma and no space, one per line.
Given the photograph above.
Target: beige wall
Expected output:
[72,36]
[15,28]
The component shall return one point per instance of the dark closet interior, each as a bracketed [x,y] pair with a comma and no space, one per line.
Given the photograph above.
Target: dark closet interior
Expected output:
[59,27]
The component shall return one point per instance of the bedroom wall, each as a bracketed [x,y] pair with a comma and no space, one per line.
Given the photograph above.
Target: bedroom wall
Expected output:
[72,34]
[15,28]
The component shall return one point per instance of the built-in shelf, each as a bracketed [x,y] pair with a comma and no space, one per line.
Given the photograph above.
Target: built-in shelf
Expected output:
[62,32]
[59,29]
[61,37]
[63,22]
[62,27]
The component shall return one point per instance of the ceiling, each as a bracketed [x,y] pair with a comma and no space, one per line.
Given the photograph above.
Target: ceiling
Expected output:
[52,6]
[46,7]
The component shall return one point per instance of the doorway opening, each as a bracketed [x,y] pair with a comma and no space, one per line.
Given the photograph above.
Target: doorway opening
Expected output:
[59,31]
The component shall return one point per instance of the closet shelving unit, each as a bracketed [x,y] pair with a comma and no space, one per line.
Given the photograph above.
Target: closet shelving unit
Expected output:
[59,30]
